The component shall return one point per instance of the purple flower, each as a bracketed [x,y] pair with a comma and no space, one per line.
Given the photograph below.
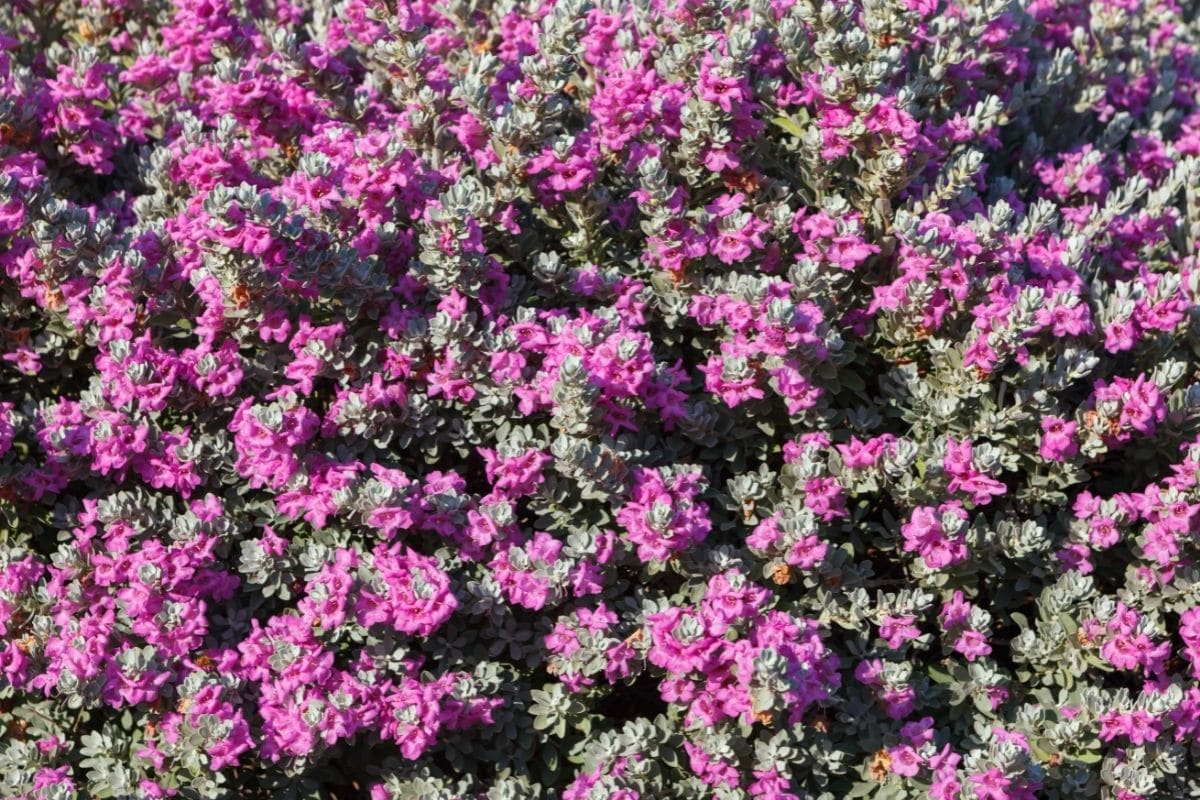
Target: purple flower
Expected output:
[1058,439]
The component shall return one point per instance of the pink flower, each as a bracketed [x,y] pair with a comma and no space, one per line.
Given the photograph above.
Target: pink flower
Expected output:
[896,630]
[1103,532]
[825,498]
[905,761]
[919,732]
[1143,728]
[1058,442]
[717,88]
[964,477]
[1120,651]
[861,455]
[803,551]
[990,785]
[771,785]
[731,597]
[680,642]
[972,644]
[732,380]
[663,515]
[898,702]
[411,593]
[525,573]
[924,534]
[956,611]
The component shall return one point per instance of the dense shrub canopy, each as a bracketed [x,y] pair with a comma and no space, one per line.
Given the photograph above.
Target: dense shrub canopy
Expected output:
[656,399]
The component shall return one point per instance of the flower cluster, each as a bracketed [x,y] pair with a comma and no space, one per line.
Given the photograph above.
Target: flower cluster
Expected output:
[522,399]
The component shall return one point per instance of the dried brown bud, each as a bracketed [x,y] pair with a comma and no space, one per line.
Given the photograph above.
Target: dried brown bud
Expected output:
[881,765]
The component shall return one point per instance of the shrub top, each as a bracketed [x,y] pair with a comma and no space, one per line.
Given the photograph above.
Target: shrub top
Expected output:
[507,400]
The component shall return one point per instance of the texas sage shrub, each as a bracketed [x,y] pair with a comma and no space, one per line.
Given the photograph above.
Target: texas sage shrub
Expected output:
[659,399]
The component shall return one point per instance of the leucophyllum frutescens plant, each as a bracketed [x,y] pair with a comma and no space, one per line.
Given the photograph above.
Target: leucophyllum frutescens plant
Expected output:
[510,400]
